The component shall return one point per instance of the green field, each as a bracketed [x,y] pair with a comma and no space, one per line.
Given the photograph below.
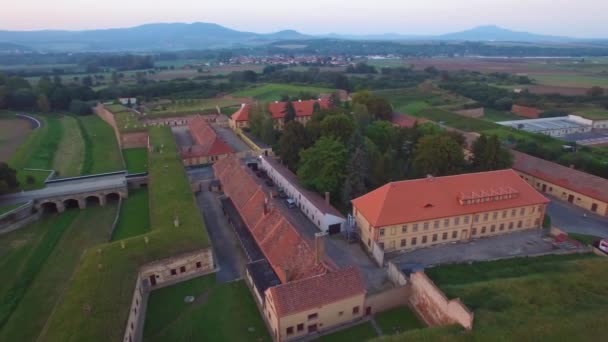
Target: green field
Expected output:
[193,106]
[594,113]
[554,298]
[134,216]
[273,92]
[398,320]
[413,100]
[497,115]
[220,312]
[7,208]
[48,262]
[456,121]
[108,291]
[359,332]
[101,149]
[136,159]
[567,80]
[69,157]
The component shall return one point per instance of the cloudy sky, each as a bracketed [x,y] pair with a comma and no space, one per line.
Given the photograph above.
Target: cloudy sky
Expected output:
[580,18]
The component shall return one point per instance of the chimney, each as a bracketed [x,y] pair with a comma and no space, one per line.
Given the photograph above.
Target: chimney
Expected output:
[319,246]
[266,206]
[327,197]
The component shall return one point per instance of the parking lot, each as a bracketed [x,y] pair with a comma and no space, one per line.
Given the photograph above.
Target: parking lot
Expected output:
[509,245]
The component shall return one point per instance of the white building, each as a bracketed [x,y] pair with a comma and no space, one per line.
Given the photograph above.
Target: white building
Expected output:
[125,101]
[555,127]
[327,218]
[595,123]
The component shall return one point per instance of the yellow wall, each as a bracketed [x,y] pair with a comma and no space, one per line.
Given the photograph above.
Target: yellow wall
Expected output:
[449,229]
[328,316]
[564,194]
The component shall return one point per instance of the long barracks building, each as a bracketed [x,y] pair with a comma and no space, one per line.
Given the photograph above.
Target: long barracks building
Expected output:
[423,212]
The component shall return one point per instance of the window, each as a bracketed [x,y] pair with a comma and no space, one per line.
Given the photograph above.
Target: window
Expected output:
[300,327]
[436,224]
[522,211]
[312,328]
[483,230]
[519,224]
[504,214]
[356,310]
[502,226]
[434,237]
[340,313]
[393,230]
[313,316]
[454,234]
[381,244]
[445,236]
[476,218]
[182,269]
[404,228]
[413,241]
[513,212]
[381,231]
[403,242]
[485,216]
[424,239]
[289,330]
[466,219]
[495,215]
[474,231]
[446,222]
[493,228]
[426,226]
[415,227]
[457,220]
[510,225]
[173,271]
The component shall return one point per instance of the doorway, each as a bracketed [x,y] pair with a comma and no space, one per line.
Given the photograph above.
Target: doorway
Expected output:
[153,280]
[571,198]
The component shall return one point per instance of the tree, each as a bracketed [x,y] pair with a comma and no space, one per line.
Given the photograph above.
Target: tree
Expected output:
[289,111]
[87,81]
[381,133]
[115,77]
[340,126]
[489,154]
[257,114]
[438,155]
[322,165]
[361,115]
[293,140]
[43,103]
[8,178]
[595,91]
[357,169]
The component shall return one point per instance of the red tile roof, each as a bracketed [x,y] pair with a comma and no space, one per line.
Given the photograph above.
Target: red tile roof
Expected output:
[406,121]
[207,142]
[581,182]
[437,197]
[242,114]
[528,112]
[303,108]
[314,292]
[287,251]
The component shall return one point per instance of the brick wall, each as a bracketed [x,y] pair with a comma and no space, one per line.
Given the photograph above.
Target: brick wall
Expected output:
[388,299]
[134,139]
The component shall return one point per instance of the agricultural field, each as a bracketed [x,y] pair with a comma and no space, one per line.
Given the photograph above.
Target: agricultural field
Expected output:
[456,121]
[134,218]
[220,312]
[497,115]
[101,149]
[574,81]
[525,299]
[273,92]
[40,260]
[136,159]
[413,100]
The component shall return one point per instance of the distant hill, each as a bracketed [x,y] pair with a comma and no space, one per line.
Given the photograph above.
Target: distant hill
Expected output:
[13,48]
[148,37]
[495,33]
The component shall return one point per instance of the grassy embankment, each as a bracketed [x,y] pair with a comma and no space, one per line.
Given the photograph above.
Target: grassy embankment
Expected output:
[134,216]
[273,92]
[136,159]
[101,149]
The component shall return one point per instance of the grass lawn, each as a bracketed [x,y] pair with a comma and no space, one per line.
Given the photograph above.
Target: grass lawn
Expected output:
[134,216]
[69,156]
[497,115]
[594,113]
[7,208]
[359,332]
[37,152]
[553,298]
[398,320]
[101,149]
[106,275]
[136,159]
[220,312]
[87,228]
[273,92]
[193,106]
[565,80]
[456,121]
[584,238]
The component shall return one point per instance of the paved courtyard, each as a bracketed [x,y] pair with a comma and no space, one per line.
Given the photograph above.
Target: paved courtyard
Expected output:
[182,136]
[231,138]
[572,219]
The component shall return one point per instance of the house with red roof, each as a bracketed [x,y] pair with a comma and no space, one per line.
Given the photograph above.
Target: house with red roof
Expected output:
[303,108]
[528,112]
[579,188]
[208,146]
[434,210]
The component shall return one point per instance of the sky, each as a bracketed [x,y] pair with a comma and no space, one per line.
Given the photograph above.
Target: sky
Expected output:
[580,18]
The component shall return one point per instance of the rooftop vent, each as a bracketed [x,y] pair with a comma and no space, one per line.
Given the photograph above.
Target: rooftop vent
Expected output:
[491,195]
[429,205]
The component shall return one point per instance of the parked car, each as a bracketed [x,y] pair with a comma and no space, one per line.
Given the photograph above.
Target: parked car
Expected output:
[290,203]
[282,193]
[269,182]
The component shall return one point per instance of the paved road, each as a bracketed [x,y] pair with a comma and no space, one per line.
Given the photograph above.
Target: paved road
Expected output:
[182,136]
[509,245]
[572,219]
[230,257]
[200,173]
[232,139]
[67,188]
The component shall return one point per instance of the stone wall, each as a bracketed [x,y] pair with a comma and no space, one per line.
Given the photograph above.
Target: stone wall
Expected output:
[108,117]
[388,299]
[432,305]
[395,275]
[134,139]
[165,273]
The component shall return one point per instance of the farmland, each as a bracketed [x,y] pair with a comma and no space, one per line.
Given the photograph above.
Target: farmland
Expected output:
[220,312]
[525,299]
[273,91]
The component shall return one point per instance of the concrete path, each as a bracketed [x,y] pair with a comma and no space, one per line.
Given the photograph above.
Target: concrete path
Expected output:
[376,326]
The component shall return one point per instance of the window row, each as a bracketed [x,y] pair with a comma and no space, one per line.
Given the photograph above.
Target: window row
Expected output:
[313,327]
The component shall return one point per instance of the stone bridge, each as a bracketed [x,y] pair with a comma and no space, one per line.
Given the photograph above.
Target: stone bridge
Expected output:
[77,192]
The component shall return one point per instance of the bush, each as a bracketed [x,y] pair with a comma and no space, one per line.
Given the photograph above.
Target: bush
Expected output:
[81,107]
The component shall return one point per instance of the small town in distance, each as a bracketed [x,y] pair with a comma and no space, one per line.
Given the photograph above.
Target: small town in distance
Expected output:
[195,182]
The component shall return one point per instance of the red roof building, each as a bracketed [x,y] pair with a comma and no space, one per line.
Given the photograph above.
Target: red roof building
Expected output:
[208,146]
[527,112]
[580,188]
[303,108]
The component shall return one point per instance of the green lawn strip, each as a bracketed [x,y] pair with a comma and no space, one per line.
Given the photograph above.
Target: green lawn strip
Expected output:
[136,159]
[101,149]
[456,121]
[273,92]
[596,114]
[90,227]
[70,155]
[6,208]
[497,115]
[398,320]
[584,238]
[193,106]
[55,227]
[105,278]
[359,332]
[222,312]
[134,216]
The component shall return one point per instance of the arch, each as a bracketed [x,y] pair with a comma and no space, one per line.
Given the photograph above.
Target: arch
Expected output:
[49,207]
[92,200]
[112,196]
[71,203]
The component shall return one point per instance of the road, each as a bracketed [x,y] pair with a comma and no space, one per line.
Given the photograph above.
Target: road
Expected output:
[232,139]
[572,219]
[182,136]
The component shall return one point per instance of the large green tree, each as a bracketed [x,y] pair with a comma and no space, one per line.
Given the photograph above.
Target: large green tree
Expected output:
[489,154]
[438,155]
[293,140]
[340,126]
[8,178]
[289,111]
[322,165]
[357,170]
